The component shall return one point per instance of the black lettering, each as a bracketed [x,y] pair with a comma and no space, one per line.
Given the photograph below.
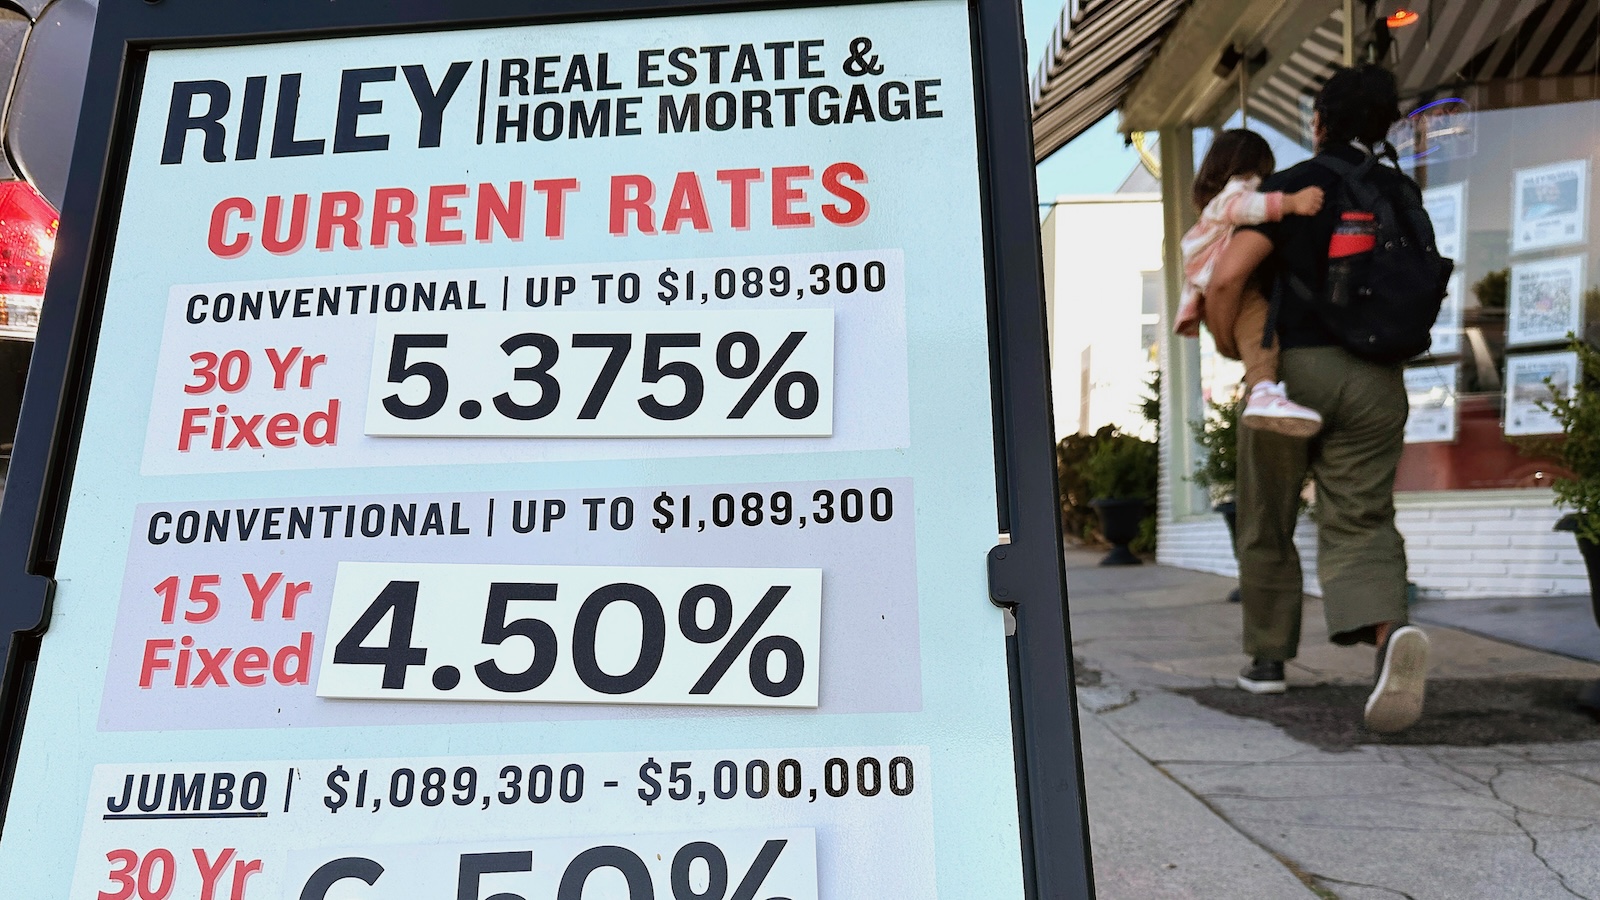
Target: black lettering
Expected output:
[352,108]
[255,98]
[283,139]
[187,794]
[431,102]
[180,120]
[159,536]
[648,66]
[590,125]
[677,118]
[926,97]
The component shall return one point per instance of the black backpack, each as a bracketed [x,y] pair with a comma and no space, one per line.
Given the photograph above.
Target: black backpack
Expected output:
[1380,304]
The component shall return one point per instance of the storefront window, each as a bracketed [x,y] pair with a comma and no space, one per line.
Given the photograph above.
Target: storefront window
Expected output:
[1510,187]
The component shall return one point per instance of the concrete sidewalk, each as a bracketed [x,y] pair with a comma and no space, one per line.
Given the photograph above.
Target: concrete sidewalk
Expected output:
[1199,790]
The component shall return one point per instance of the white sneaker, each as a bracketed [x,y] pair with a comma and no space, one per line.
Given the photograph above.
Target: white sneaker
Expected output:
[1271,409]
[1396,700]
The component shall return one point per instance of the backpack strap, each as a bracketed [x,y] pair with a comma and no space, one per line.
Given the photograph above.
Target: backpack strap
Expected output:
[1353,175]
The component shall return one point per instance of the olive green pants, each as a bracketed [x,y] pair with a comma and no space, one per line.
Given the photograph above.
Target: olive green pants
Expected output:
[1361,558]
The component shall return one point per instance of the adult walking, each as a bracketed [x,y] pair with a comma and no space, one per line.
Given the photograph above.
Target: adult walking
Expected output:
[1361,560]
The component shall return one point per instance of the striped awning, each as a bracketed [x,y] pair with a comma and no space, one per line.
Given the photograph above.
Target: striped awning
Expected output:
[1456,43]
[1098,49]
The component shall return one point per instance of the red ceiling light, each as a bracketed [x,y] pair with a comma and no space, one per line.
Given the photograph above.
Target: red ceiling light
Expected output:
[1400,18]
[28,226]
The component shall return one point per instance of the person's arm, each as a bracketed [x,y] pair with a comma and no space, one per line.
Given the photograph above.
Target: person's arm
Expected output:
[1253,207]
[1246,251]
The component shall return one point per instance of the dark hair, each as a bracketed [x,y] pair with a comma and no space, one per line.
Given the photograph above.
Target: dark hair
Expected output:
[1358,105]
[1234,153]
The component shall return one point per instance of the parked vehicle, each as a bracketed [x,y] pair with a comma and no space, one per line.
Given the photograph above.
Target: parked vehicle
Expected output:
[44,54]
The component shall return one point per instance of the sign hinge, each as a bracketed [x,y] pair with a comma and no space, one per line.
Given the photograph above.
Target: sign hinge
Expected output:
[1002,577]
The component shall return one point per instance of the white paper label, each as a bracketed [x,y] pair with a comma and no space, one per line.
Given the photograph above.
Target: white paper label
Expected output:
[574,634]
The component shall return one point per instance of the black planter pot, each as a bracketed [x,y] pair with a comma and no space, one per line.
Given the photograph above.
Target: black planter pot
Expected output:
[1119,523]
[1230,515]
[1591,560]
[1589,697]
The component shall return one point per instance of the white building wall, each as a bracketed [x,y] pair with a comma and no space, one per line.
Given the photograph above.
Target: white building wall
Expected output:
[1096,251]
[1457,546]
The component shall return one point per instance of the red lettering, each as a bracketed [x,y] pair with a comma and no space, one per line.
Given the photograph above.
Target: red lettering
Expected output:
[261,593]
[393,206]
[833,178]
[282,430]
[300,656]
[339,209]
[442,212]
[274,222]
[738,182]
[249,665]
[154,661]
[211,872]
[686,203]
[785,195]
[632,193]
[508,213]
[555,204]
[211,666]
[189,429]
[230,248]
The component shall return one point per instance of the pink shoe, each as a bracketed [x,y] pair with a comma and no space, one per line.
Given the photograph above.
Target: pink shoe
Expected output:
[1271,409]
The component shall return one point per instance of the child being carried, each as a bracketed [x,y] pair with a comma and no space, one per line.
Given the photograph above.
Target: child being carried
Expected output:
[1225,191]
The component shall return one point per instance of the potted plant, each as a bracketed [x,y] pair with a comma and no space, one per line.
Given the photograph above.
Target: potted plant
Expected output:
[1579,415]
[1218,471]
[1121,473]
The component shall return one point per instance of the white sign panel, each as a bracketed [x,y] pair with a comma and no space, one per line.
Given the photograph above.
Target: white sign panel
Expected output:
[1432,394]
[539,826]
[490,426]
[1532,381]
[1447,208]
[1546,301]
[1550,206]
[1446,331]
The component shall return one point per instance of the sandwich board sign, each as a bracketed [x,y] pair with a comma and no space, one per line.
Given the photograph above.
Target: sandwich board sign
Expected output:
[542,450]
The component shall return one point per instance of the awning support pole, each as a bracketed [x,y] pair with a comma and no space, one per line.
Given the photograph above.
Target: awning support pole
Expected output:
[1349,32]
[1244,94]
[1180,377]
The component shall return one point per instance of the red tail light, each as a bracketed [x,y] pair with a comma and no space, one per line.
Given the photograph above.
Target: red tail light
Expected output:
[27,240]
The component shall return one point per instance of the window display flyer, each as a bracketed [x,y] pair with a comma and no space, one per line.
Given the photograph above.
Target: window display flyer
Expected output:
[1446,331]
[1447,207]
[1546,301]
[1549,206]
[1531,380]
[1432,393]
[523,459]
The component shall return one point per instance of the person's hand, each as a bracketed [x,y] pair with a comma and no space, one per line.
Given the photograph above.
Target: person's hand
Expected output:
[1304,202]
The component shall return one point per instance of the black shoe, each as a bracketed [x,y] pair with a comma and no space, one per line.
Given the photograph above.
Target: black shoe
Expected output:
[1263,676]
[1235,597]
[1396,700]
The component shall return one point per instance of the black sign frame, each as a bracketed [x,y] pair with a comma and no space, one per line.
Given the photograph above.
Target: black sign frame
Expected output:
[1027,573]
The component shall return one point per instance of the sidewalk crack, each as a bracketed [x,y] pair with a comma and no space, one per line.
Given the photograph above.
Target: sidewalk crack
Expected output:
[1516,818]
[1290,865]
[1363,884]
[1533,839]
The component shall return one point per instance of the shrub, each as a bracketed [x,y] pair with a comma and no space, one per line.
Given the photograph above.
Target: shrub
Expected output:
[1579,453]
[1218,435]
[1123,467]
[1077,518]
